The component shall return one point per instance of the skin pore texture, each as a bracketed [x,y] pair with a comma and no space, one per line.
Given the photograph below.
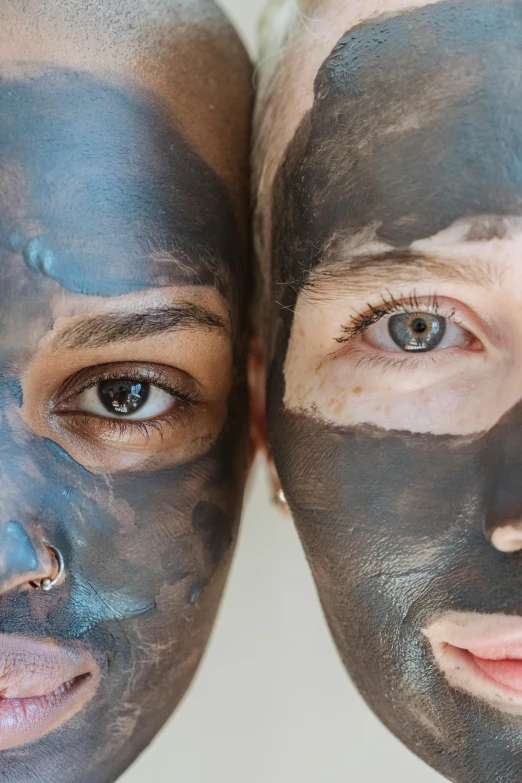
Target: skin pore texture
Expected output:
[124,270]
[399,192]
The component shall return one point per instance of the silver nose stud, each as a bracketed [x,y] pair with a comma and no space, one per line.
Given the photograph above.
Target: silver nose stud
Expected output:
[47,583]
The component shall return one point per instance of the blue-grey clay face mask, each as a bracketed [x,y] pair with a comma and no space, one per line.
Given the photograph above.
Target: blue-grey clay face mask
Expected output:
[123,272]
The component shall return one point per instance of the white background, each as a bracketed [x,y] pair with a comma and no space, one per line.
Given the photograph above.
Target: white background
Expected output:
[271,702]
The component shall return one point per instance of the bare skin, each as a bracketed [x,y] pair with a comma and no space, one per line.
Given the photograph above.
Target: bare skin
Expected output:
[124,289]
[389,237]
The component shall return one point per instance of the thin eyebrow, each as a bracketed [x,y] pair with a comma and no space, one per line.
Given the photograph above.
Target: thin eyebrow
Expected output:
[357,273]
[111,328]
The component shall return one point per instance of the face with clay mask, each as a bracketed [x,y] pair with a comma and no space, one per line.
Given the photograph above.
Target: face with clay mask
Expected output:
[390,232]
[123,414]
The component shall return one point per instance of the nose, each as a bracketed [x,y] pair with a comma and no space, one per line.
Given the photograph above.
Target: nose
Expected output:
[23,556]
[508,538]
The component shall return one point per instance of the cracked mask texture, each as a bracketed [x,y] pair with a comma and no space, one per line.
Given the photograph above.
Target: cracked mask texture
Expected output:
[416,123]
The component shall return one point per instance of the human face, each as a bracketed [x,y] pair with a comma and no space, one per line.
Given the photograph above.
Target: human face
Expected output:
[394,398]
[123,416]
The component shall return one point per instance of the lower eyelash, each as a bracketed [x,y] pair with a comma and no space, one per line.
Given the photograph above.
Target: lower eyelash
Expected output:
[385,363]
[362,321]
[119,428]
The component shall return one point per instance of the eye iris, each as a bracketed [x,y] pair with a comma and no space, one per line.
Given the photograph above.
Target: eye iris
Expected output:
[123,397]
[417,331]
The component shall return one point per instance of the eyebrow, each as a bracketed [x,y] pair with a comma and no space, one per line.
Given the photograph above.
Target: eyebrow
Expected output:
[111,328]
[354,274]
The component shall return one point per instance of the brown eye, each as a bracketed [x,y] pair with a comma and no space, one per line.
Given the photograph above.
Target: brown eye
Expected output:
[123,397]
[417,331]
[126,398]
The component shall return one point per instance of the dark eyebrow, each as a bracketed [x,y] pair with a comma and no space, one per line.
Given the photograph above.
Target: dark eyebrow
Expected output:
[358,272]
[110,328]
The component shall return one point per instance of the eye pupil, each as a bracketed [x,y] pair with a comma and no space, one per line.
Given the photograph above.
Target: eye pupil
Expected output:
[417,331]
[123,396]
[419,326]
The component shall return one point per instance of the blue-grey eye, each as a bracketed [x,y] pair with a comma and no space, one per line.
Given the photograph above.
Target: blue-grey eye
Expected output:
[123,397]
[417,331]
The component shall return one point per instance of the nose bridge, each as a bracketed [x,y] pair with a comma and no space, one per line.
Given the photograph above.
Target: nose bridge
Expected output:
[24,557]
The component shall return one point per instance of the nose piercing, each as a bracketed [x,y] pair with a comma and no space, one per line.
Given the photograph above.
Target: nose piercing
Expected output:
[48,582]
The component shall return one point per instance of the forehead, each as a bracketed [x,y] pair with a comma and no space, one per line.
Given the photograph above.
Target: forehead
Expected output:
[185,51]
[103,193]
[416,122]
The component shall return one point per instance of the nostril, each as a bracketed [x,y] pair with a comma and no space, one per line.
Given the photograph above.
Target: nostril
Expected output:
[508,538]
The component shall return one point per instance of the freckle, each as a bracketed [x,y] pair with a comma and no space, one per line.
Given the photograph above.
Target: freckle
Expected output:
[331,402]
[378,408]
[340,408]
[357,390]
[387,409]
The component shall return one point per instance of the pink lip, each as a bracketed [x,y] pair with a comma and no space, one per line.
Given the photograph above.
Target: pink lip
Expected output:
[42,685]
[481,654]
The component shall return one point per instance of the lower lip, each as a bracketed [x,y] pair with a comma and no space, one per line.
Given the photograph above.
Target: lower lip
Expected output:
[498,682]
[27,719]
[506,674]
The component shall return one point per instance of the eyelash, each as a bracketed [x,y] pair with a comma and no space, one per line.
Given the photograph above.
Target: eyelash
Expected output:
[362,321]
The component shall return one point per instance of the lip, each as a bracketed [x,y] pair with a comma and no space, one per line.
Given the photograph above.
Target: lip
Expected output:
[43,684]
[482,655]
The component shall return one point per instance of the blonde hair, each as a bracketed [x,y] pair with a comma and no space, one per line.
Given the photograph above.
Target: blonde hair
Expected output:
[279,20]
[277,23]
[280,27]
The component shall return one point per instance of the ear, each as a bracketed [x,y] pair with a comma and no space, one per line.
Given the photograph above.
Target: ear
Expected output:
[258,429]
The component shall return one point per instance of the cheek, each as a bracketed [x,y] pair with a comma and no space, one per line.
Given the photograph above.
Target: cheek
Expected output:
[140,535]
[377,511]
[125,539]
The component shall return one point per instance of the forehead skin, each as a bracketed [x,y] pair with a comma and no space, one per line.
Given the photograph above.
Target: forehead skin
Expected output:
[184,51]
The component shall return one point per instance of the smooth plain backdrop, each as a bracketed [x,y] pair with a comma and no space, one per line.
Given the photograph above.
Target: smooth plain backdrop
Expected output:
[271,702]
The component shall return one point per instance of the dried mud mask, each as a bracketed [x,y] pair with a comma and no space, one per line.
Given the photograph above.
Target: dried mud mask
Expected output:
[104,199]
[415,125]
